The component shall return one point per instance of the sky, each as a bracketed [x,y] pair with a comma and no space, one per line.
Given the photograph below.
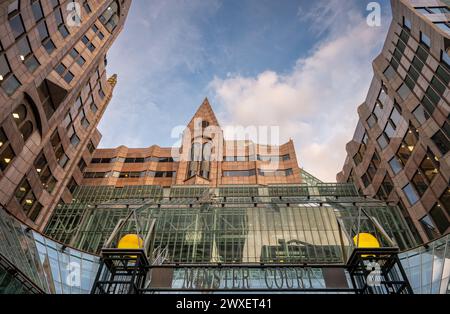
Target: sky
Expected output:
[304,66]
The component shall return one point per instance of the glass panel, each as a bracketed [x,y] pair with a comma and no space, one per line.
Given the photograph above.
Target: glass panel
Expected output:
[411,194]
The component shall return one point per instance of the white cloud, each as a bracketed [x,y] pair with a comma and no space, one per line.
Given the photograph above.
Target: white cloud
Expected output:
[315,104]
[160,39]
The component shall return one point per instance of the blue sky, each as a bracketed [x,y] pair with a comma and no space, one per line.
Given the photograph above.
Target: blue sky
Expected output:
[304,66]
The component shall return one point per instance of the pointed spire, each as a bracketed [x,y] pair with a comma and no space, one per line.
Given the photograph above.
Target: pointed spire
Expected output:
[205,113]
[113,80]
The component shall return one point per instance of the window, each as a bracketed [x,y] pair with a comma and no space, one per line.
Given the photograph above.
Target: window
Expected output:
[67,121]
[396,165]
[6,152]
[443,26]
[161,174]
[88,43]
[359,156]
[383,97]
[429,227]
[74,139]
[439,10]
[54,3]
[24,118]
[72,185]
[430,166]
[77,57]
[445,58]
[389,73]
[389,130]
[240,173]
[432,98]
[110,17]
[365,179]
[101,93]
[8,80]
[377,111]
[87,7]
[443,74]
[444,200]
[411,194]
[134,160]
[404,37]
[95,175]
[268,158]
[372,120]
[26,55]
[46,98]
[60,155]
[420,183]
[60,23]
[424,39]
[386,188]
[422,54]
[439,218]
[275,173]
[396,117]
[200,160]
[97,32]
[404,91]
[433,10]
[421,114]
[43,31]
[408,145]
[36,7]
[406,23]
[103,160]
[84,121]
[131,174]
[16,24]
[49,46]
[26,198]
[412,77]
[158,159]
[91,147]
[46,41]
[62,70]
[440,139]
[373,166]
[438,87]
[44,173]
[82,165]
[93,107]
[13,7]
[417,64]
[383,141]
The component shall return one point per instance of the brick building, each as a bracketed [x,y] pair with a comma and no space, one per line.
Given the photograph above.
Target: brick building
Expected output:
[53,92]
[399,152]
[204,158]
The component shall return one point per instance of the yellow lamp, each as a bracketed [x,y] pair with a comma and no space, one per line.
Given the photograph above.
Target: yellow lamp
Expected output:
[131,241]
[366,240]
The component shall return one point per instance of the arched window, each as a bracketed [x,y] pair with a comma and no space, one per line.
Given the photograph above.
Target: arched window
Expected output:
[26,130]
[20,114]
[196,152]
[207,151]
[110,17]
[25,120]
[200,159]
